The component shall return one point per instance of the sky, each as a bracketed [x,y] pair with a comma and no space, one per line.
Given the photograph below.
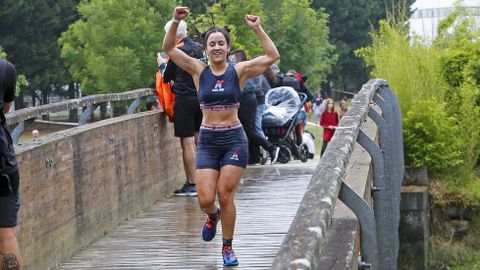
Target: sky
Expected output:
[422,4]
[427,27]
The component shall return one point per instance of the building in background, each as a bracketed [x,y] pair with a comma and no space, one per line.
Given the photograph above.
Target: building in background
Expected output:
[428,13]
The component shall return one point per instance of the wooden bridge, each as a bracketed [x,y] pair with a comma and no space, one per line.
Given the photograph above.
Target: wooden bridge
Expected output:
[168,235]
[95,196]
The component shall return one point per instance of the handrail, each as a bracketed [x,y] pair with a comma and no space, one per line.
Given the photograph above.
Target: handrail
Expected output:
[32,112]
[302,246]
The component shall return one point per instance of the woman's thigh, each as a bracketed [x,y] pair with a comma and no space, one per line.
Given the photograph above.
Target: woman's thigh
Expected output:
[207,183]
[229,179]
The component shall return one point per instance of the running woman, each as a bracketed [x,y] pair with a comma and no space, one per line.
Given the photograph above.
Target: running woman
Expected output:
[222,147]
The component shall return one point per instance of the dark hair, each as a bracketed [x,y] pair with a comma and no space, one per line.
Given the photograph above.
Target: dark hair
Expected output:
[151,101]
[216,29]
[240,55]
[271,76]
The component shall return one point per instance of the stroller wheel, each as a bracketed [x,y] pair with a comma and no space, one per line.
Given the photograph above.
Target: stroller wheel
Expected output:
[284,155]
[304,153]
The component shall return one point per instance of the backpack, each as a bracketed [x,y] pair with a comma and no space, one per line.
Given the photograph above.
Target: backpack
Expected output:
[166,97]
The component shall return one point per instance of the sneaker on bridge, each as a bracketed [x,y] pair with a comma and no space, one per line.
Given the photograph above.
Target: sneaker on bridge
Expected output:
[229,257]
[210,227]
[187,190]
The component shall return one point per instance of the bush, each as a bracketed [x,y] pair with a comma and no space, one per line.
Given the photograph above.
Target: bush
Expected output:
[430,137]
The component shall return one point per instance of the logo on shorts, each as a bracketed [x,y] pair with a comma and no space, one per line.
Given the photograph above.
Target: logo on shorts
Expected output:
[235,156]
[218,86]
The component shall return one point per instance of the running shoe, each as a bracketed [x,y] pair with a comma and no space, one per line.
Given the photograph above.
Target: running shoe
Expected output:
[274,154]
[186,191]
[229,257]
[210,227]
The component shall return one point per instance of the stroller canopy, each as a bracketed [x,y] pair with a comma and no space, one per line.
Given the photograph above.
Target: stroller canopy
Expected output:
[282,104]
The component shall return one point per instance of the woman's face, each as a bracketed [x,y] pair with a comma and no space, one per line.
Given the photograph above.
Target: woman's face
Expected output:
[217,47]
[330,106]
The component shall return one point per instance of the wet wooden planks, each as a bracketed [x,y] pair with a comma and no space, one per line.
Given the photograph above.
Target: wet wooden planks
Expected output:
[168,235]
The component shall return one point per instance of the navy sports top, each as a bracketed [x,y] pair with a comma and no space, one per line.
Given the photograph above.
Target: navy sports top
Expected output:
[219,92]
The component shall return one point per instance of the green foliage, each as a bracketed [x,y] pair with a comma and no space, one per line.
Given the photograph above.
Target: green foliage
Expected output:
[301,36]
[28,32]
[21,80]
[431,138]
[349,22]
[439,92]
[112,48]
[232,14]
[412,69]
[299,32]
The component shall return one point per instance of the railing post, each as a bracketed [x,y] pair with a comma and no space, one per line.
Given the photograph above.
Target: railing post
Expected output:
[389,143]
[17,132]
[380,200]
[368,232]
[134,106]
[85,115]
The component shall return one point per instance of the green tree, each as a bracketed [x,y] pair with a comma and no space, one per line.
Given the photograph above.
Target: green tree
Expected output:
[112,48]
[301,36]
[21,81]
[232,14]
[28,32]
[350,22]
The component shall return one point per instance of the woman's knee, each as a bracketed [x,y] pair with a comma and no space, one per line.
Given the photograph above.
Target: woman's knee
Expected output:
[225,197]
[205,201]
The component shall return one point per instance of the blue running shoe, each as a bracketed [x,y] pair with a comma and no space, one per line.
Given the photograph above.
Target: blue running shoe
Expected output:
[229,257]
[186,191]
[210,227]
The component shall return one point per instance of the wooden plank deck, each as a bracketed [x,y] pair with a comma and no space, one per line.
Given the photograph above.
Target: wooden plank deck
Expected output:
[168,235]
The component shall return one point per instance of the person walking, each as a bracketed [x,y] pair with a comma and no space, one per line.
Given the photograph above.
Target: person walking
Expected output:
[317,110]
[248,114]
[222,147]
[187,114]
[10,257]
[329,122]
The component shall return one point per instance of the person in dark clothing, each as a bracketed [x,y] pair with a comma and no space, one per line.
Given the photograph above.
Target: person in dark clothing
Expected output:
[247,113]
[9,177]
[187,114]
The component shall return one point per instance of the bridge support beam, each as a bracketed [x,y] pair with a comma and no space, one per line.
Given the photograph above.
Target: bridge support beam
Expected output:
[368,232]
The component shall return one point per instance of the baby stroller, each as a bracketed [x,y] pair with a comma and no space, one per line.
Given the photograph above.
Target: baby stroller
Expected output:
[279,121]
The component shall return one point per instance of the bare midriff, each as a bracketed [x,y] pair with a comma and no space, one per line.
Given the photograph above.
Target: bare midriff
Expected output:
[220,118]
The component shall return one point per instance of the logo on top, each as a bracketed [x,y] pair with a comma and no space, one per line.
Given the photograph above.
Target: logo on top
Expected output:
[218,86]
[235,156]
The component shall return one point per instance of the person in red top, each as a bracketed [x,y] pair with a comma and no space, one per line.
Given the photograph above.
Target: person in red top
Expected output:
[329,122]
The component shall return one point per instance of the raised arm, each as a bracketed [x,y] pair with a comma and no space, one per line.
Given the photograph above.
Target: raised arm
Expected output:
[257,66]
[181,59]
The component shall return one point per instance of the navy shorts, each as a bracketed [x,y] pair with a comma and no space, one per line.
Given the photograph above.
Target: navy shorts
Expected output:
[220,146]
[9,199]
[187,117]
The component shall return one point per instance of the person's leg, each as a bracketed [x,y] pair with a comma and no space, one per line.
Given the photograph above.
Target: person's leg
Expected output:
[258,119]
[10,257]
[188,155]
[185,127]
[247,118]
[324,146]
[207,180]
[227,184]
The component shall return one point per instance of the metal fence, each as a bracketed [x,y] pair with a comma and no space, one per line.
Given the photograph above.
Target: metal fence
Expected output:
[24,116]
[302,246]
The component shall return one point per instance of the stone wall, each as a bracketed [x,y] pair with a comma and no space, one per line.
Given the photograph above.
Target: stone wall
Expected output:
[79,184]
